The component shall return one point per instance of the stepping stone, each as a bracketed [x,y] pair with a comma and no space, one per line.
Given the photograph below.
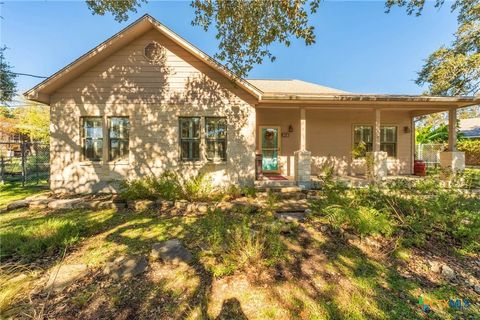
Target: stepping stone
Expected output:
[67,274]
[126,267]
[18,204]
[64,203]
[171,251]
[292,216]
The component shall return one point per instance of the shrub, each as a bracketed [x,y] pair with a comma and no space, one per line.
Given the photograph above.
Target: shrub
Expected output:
[471,149]
[197,188]
[425,211]
[363,220]
[169,186]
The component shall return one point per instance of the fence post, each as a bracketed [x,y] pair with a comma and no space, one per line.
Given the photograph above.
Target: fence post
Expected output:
[36,162]
[2,169]
[24,173]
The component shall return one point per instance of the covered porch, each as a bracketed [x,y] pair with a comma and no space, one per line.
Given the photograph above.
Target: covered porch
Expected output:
[299,139]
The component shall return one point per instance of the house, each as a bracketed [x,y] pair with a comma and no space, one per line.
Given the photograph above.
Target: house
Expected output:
[146,100]
[470,128]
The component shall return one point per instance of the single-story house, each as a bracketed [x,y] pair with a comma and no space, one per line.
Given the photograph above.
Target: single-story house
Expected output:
[470,128]
[146,100]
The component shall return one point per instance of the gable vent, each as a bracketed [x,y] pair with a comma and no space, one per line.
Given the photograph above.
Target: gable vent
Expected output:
[154,52]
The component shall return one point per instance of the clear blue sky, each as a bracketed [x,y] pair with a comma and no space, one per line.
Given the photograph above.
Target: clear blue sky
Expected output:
[359,47]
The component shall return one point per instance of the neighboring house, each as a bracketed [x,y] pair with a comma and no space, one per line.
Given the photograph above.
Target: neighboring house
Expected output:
[470,128]
[146,101]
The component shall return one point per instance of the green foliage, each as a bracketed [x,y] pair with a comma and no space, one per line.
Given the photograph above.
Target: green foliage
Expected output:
[234,241]
[33,120]
[48,238]
[471,149]
[119,9]
[429,134]
[170,186]
[413,210]
[7,79]
[197,188]
[246,29]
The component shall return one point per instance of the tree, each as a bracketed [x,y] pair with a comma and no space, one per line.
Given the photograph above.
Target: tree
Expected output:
[455,69]
[7,79]
[33,120]
[245,28]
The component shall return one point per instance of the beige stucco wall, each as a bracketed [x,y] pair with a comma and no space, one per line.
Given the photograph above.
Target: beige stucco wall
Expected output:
[153,96]
[330,137]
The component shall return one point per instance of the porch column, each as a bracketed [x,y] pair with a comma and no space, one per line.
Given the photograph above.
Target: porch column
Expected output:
[303,130]
[302,156]
[452,159]
[377,160]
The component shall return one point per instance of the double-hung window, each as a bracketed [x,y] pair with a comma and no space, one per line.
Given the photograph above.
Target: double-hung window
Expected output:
[92,138]
[363,140]
[388,140]
[118,136]
[189,138]
[216,138]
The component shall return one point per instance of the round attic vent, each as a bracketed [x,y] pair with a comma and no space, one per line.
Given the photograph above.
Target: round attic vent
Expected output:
[154,52]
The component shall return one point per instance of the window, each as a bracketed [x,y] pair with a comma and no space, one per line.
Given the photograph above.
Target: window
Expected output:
[388,140]
[92,138]
[363,140]
[189,138]
[216,138]
[118,135]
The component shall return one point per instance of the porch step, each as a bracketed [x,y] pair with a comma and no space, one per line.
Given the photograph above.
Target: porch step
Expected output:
[275,184]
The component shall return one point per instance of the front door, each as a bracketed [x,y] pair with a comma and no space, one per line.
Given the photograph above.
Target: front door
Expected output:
[270,145]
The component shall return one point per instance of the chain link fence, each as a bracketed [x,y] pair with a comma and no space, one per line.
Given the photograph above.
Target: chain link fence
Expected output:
[430,153]
[25,162]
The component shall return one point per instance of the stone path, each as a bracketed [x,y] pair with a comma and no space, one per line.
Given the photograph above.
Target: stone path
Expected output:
[126,267]
[67,274]
[171,251]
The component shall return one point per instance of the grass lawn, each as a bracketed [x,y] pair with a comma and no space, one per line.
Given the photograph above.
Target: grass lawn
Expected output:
[14,191]
[247,265]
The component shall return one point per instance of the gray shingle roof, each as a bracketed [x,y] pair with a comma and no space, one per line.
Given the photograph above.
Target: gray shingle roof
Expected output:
[470,127]
[292,87]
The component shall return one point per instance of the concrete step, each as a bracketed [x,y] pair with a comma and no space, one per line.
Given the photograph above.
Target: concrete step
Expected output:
[264,184]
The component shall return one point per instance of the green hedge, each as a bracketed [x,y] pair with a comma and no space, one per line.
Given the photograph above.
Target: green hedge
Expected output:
[472,151]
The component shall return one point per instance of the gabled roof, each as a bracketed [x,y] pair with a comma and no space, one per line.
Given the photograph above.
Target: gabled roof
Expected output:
[265,91]
[470,127]
[42,91]
[293,86]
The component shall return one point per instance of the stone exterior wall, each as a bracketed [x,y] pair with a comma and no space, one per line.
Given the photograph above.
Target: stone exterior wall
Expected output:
[153,96]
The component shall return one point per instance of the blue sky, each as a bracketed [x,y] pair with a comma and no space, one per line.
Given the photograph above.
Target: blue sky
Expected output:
[359,47]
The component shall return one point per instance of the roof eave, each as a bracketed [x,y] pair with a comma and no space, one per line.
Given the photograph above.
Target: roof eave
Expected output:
[462,101]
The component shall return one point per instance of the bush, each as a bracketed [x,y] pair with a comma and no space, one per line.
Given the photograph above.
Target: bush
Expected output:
[169,186]
[471,149]
[422,210]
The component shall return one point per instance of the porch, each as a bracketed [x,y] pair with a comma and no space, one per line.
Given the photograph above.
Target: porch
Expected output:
[296,144]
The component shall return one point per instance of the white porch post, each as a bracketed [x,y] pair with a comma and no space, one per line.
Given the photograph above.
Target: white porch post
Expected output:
[452,130]
[452,159]
[303,130]
[377,168]
[302,156]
